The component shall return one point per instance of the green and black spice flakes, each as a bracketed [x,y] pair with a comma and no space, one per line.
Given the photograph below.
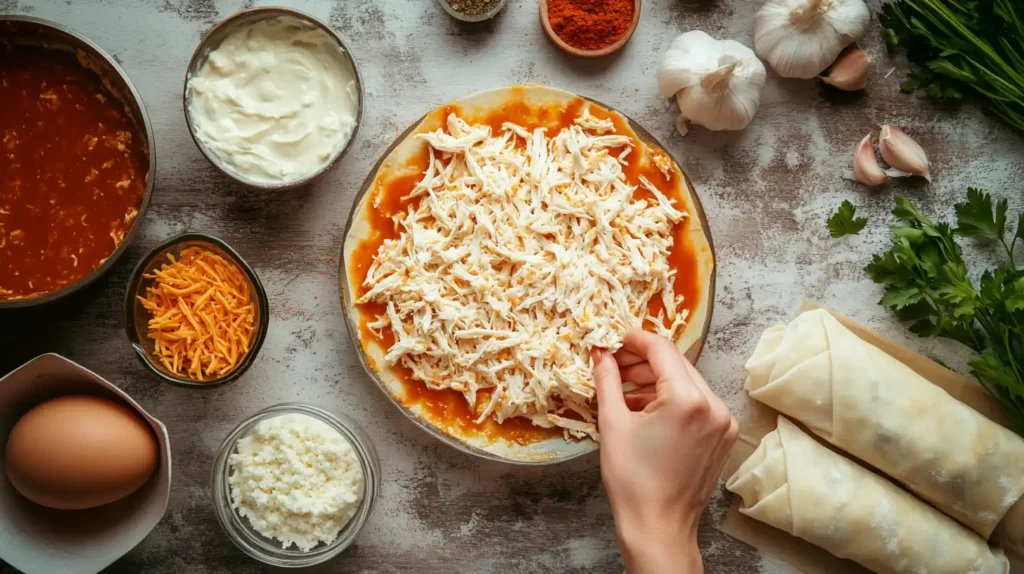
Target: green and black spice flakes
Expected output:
[473,7]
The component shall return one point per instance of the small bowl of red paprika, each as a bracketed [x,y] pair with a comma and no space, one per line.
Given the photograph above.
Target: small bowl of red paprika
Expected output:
[590,28]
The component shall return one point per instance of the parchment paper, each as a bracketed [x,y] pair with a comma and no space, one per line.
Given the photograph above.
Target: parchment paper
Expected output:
[760,420]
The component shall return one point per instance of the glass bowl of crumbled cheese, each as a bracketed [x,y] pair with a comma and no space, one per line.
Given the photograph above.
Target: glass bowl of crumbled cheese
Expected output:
[293,484]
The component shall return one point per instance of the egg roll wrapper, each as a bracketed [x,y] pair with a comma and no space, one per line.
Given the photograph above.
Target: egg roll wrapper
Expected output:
[877,409]
[797,485]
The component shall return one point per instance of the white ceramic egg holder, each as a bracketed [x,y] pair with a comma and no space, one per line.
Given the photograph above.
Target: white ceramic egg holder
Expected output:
[35,539]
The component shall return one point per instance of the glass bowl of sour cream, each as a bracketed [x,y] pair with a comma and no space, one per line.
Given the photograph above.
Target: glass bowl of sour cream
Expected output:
[293,484]
[273,97]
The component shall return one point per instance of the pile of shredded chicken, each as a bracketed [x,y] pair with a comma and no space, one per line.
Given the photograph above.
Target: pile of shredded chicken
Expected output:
[519,253]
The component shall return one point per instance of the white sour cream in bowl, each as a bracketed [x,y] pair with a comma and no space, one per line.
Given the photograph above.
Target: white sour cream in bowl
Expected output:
[275,103]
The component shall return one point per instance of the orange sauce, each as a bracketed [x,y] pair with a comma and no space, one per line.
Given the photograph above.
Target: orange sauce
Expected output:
[71,175]
[448,408]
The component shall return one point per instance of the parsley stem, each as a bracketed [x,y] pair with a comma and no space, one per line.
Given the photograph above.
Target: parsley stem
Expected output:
[1009,356]
[1009,251]
[962,47]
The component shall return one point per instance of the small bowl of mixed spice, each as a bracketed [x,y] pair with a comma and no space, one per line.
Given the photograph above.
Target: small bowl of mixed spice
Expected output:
[472,10]
[590,28]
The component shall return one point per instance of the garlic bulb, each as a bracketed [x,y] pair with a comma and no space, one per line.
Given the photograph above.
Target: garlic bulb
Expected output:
[716,83]
[800,38]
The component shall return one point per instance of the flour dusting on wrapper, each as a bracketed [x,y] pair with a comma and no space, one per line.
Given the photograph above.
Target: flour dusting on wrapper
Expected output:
[879,410]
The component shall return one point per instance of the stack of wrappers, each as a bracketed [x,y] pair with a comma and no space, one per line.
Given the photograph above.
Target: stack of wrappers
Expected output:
[855,447]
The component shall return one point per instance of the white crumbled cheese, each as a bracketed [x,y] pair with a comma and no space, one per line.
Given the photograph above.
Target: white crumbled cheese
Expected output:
[522,254]
[297,480]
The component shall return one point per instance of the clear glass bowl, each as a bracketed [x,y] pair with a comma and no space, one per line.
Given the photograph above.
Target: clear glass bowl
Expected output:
[270,551]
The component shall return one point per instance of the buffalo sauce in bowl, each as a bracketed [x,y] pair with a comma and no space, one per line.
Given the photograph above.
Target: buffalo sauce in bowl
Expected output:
[71,179]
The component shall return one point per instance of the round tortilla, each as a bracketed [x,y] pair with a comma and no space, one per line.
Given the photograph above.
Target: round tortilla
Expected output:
[397,163]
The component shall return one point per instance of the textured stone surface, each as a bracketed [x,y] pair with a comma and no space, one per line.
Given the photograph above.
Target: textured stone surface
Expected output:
[767,191]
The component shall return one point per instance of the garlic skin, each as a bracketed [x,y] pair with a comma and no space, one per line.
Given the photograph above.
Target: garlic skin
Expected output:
[865,167]
[800,38]
[850,71]
[716,83]
[903,153]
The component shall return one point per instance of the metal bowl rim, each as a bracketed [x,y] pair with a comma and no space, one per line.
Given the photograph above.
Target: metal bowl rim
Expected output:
[147,192]
[475,18]
[194,64]
[353,328]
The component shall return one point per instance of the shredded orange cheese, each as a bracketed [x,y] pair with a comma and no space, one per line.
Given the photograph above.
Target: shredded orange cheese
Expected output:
[203,316]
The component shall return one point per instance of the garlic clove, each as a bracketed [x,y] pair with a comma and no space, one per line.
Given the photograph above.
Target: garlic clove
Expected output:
[865,166]
[850,70]
[902,152]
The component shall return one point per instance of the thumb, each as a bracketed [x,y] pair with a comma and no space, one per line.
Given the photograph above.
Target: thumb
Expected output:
[611,402]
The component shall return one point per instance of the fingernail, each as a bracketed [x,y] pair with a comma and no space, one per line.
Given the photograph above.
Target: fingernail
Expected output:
[597,354]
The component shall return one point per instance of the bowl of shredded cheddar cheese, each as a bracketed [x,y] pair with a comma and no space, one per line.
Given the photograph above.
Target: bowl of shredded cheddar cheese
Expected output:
[195,312]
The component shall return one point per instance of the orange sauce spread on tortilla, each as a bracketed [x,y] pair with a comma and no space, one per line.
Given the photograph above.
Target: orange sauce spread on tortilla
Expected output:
[448,408]
[70,176]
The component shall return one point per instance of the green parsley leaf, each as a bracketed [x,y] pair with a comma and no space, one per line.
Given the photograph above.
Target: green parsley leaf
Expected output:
[1000,378]
[1013,296]
[906,211]
[900,297]
[931,259]
[913,235]
[928,285]
[843,221]
[976,219]
[991,287]
[887,270]
[960,296]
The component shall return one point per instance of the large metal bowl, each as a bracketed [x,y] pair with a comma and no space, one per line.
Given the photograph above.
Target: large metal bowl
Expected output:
[554,450]
[22,30]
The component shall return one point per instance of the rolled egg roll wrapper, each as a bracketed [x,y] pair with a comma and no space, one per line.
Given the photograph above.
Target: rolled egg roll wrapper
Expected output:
[797,485]
[880,411]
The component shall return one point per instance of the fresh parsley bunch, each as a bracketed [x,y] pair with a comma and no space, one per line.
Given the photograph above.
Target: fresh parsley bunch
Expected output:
[927,283]
[963,48]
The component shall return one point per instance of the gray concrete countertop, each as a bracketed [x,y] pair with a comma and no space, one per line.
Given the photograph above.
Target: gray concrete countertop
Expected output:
[767,192]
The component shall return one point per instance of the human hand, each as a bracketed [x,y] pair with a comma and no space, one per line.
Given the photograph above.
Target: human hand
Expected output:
[663,447]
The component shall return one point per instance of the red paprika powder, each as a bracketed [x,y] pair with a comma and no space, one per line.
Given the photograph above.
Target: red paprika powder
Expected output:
[590,24]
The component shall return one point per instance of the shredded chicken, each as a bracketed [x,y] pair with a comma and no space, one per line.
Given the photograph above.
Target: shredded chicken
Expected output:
[519,253]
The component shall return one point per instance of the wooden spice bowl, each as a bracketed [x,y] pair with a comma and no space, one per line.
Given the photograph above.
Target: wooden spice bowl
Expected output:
[609,49]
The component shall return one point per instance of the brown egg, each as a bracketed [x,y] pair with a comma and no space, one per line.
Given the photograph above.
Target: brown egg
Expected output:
[79,452]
